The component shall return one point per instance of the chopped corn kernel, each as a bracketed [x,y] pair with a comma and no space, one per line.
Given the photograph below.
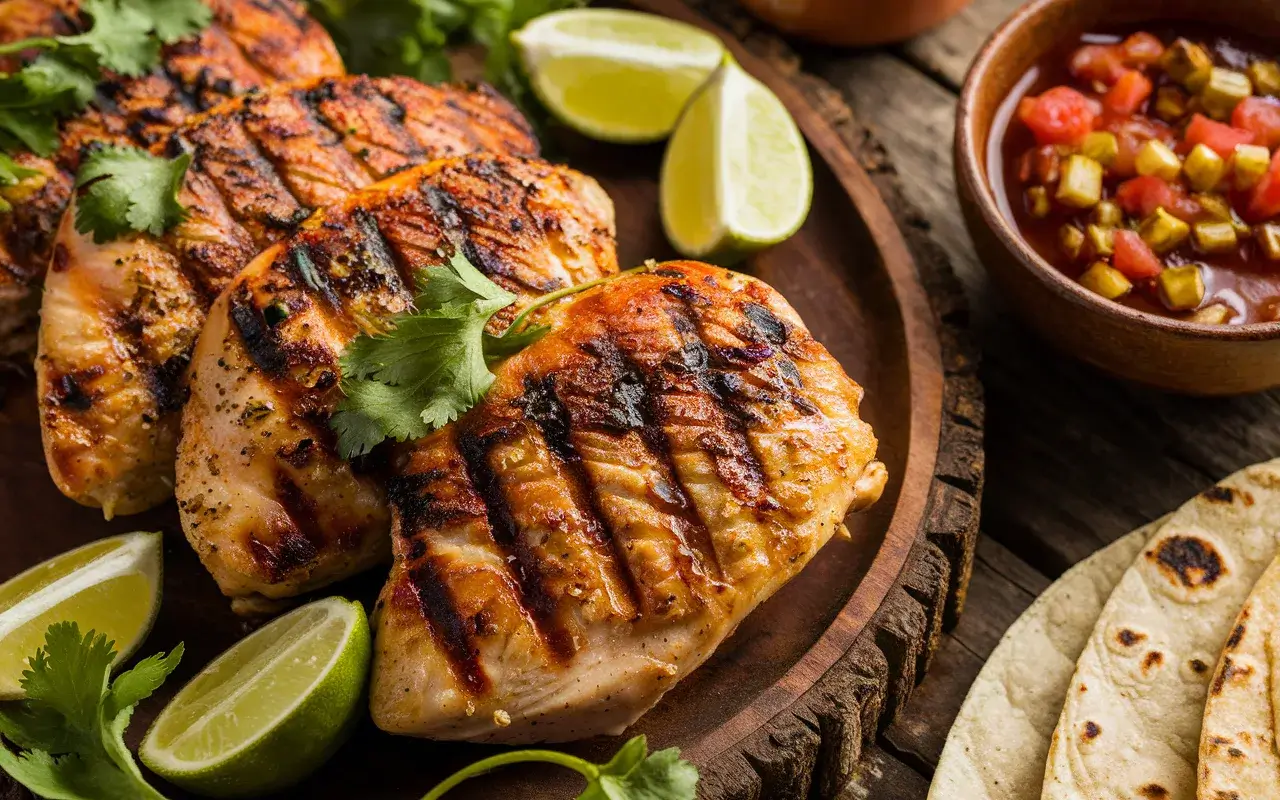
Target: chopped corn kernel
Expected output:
[1072,240]
[1249,164]
[1038,202]
[1187,63]
[1268,236]
[1214,237]
[1106,280]
[1101,240]
[1171,103]
[1081,183]
[1155,158]
[1204,168]
[1181,288]
[1224,91]
[1163,232]
[1108,214]
[1101,146]
[1216,314]
[1265,76]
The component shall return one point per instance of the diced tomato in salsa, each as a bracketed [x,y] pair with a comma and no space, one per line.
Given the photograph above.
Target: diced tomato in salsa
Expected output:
[1141,197]
[1261,117]
[1142,49]
[1134,258]
[1131,134]
[1059,116]
[1221,139]
[1129,93]
[1098,62]
[1264,203]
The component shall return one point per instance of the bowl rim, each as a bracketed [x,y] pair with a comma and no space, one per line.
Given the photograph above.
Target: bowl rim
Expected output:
[973,178]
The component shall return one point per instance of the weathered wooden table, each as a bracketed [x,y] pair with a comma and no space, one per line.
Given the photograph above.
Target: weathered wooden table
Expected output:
[1074,459]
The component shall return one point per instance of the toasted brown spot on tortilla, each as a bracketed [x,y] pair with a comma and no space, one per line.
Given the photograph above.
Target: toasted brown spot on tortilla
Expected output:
[1230,671]
[1188,560]
[1153,659]
[1154,791]
[1235,752]
[1219,740]
[1091,730]
[1219,494]
[1129,638]
[1237,633]
[1197,665]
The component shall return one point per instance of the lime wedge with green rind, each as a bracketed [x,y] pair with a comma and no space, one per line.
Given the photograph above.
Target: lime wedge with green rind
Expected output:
[269,711]
[111,586]
[736,177]
[616,75]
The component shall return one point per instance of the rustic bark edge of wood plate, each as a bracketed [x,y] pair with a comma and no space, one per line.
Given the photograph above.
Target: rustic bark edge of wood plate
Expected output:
[803,737]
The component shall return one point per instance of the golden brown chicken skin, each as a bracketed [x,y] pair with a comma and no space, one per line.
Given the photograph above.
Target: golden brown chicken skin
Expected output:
[119,320]
[265,500]
[249,44]
[675,450]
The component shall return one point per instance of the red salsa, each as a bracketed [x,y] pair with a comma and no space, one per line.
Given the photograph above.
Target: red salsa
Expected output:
[1147,168]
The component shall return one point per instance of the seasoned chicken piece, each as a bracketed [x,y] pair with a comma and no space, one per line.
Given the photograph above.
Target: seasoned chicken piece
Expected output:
[675,450]
[249,44]
[265,500]
[119,320]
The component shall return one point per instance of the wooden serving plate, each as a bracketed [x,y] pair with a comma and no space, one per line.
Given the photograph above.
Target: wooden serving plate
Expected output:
[783,709]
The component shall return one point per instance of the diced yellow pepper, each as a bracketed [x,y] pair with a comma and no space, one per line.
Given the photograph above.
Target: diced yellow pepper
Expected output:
[1171,103]
[1155,158]
[1163,231]
[1101,240]
[1214,237]
[1216,314]
[1249,164]
[1101,146]
[1108,214]
[1072,240]
[1265,76]
[1215,205]
[1268,236]
[1204,168]
[1106,280]
[1038,202]
[1080,185]
[1187,63]
[1181,288]
[1224,91]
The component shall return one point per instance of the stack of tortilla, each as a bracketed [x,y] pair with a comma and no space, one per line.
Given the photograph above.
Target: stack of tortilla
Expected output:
[1145,672]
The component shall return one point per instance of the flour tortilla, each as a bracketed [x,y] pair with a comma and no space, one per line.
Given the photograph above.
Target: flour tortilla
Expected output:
[996,750]
[1130,726]
[1237,742]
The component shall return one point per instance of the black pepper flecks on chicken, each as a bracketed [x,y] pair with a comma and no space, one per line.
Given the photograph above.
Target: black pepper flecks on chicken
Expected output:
[250,43]
[265,500]
[119,320]
[675,450]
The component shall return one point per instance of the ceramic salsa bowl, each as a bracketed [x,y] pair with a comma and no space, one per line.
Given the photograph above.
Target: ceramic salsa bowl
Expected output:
[1168,353]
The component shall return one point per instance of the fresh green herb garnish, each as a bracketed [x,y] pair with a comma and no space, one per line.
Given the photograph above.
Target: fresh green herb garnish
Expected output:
[433,363]
[632,774]
[70,729]
[408,37]
[126,189]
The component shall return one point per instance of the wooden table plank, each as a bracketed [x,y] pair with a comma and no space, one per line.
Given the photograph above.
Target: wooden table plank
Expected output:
[880,776]
[945,51]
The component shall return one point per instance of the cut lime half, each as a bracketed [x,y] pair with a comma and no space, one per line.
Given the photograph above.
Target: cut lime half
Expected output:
[620,76]
[736,177]
[110,586]
[270,710]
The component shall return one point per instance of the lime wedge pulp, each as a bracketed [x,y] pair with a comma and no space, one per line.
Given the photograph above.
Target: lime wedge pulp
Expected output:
[270,710]
[620,76]
[110,586]
[736,177]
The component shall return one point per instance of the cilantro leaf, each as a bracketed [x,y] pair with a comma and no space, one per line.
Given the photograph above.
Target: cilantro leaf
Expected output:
[120,37]
[174,20]
[632,774]
[125,189]
[70,730]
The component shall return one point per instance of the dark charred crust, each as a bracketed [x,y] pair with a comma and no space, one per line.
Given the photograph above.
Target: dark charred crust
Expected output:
[775,331]
[528,571]
[304,272]
[420,509]
[1237,634]
[67,389]
[298,538]
[1219,494]
[298,454]
[257,336]
[1189,560]
[1091,730]
[166,383]
[448,627]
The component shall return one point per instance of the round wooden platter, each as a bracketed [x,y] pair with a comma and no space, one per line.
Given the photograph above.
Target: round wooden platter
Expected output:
[784,707]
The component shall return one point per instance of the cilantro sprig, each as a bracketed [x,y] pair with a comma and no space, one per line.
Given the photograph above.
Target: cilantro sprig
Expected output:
[125,189]
[632,774]
[70,730]
[432,365]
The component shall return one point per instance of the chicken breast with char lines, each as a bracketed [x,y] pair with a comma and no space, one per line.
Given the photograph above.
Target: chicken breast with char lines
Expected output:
[119,320]
[265,500]
[633,485]
[249,44]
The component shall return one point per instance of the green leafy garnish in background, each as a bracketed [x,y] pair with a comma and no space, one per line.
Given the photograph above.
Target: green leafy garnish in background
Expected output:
[70,730]
[632,774]
[408,37]
[126,189]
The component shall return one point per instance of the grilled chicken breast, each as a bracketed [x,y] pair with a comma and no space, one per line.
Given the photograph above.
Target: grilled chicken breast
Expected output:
[264,498]
[119,320]
[675,450]
[249,44]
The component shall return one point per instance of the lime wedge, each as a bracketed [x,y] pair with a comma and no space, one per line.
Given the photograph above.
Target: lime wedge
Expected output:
[111,586]
[736,177]
[270,710]
[620,76]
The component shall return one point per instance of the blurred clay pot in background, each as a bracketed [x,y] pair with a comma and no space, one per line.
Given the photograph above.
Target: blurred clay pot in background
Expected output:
[854,22]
